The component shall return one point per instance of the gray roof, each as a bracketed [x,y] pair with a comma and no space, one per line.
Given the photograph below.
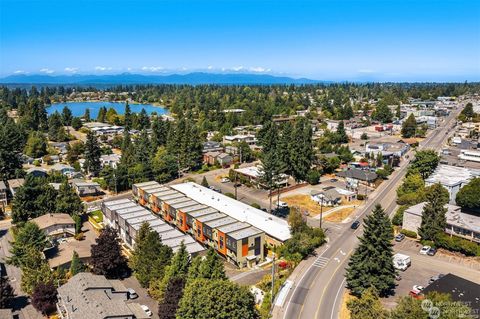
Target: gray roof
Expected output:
[3,186]
[245,233]
[89,296]
[359,174]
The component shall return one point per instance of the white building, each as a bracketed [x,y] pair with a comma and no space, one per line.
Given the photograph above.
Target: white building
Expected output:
[458,224]
[468,155]
[453,178]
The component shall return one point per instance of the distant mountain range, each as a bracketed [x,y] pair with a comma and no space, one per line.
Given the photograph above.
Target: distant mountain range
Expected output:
[129,78]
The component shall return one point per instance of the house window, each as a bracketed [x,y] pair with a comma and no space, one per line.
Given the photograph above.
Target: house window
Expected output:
[221,242]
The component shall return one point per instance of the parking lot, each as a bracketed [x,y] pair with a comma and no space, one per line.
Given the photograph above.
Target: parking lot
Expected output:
[424,267]
[143,298]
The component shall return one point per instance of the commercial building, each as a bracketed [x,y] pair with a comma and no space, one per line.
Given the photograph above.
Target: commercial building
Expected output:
[84,188]
[356,176]
[89,296]
[458,223]
[453,178]
[126,217]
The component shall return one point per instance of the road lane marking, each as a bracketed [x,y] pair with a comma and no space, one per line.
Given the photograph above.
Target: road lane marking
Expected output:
[321,262]
[342,286]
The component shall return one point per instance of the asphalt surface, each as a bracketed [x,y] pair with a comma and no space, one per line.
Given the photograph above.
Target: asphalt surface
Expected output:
[318,290]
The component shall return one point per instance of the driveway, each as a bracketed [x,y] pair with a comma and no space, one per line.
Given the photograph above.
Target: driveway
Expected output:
[143,298]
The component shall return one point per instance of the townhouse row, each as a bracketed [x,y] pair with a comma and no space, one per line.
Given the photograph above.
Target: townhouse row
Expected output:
[126,217]
[237,231]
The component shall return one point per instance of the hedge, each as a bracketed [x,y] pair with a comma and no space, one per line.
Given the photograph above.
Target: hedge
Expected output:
[461,245]
[409,233]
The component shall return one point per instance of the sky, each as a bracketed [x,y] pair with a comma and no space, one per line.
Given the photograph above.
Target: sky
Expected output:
[382,40]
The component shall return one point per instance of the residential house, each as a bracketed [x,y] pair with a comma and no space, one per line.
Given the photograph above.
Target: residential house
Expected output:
[327,196]
[37,172]
[453,178]
[355,176]
[458,224]
[213,158]
[62,168]
[48,159]
[250,139]
[84,188]
[56,225]
[252,175]
[212,146]
[89,296]
[15,184]
[110,160]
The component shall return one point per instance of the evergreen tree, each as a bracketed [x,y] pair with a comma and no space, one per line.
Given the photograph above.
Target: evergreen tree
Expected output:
[107,257]
[212,267]
[302,149]
[102,115]
[128,117]
[67,116]
[35,270]
[178,268]
[143,120]
[44,298]
[371,265]
[92,155]
[56,131]
[143,149]
[128,150]
[76,265]
[204,182]
[68,201]
[150,256]
[30,200]
[76,123]
[367,306]
[29,236]
[425,162]
[341,136]
[165,166]
[86,116]
[36,145]
[167,308]
[468,111]
[6,293]
[284,148]
[433,214]
[12,141]
[382,113]
[159,132]
[409,127]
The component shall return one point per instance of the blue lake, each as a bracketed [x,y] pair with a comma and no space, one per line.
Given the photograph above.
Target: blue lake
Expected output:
[78,108]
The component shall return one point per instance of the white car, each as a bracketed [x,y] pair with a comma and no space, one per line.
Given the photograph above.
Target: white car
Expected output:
[424,250]
[281,204]
[132,294]
[418,288]
[225,180]
[147,310]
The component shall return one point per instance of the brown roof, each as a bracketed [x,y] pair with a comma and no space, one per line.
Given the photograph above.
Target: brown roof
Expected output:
[48,220]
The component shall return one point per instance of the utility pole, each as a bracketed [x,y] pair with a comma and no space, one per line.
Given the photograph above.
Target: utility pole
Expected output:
[273,278]
[321,212]
[235,184]
[115,181]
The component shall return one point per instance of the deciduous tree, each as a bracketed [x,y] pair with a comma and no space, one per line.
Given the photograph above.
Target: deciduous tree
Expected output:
[44,298]
[107,257]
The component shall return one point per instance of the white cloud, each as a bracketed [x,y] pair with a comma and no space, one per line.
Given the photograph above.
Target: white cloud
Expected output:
[19,72]
[46,70]
[129,69]
[238,68]
[71,70]
[152,68]
[210,67]
[366,71]
[184,68]
[102,68]
[259,69]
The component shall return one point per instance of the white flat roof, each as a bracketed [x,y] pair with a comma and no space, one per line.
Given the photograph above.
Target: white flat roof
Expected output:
[451,175]
[272,225]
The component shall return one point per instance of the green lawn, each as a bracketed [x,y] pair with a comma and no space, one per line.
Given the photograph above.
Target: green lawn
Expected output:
[96,215]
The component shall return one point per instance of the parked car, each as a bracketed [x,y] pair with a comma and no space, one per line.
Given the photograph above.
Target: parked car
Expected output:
[333,180]
[399,237]
[355,224]
[147,310]
[132,294]
[414,294]
[281,204]
[435,278]
[424,250]
[225,180]
[418,288]
[432,251]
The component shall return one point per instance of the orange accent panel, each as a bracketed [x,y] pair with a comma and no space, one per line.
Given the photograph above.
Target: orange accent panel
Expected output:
[223,249]
[244,250]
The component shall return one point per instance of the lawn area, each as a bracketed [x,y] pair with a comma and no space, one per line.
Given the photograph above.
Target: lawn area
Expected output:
[96,215]
[339,215]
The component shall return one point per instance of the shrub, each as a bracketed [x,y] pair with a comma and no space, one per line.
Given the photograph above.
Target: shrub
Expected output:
[103,184]
[457,244]
[409,233]
[79,236]
[230,195]
[36,162]
[313,177]
[397,219]
[255,205]
[360,196]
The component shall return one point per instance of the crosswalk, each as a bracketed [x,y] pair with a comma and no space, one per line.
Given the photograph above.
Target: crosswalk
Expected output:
[321,262]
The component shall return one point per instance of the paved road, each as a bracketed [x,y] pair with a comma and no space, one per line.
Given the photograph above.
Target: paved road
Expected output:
[318,291]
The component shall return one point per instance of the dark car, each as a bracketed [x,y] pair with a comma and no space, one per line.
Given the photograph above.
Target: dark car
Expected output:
[432,251]
[399,237]
[355,224]
[333,180]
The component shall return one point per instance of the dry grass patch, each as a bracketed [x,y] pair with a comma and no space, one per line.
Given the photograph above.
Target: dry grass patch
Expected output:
[305,203]
[344,312]
[339,215]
